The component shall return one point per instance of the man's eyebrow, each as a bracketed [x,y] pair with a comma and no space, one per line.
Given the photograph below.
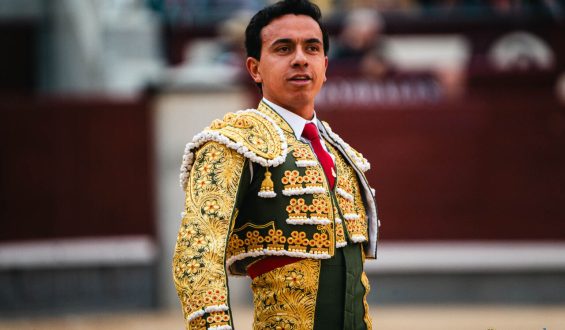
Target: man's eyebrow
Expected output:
[289,41]
[281,41]
[313,41]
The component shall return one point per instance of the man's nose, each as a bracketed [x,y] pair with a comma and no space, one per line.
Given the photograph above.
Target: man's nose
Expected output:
[299,58]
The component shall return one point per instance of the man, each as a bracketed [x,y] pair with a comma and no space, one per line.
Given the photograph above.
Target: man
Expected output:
[274,194]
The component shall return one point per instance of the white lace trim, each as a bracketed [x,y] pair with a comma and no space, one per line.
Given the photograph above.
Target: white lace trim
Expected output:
[309,221]
[209,309]
[216,308]
[351,216]
[269,252]
[361,162]
[221,327]
[374,222]
[358,238]
[338,221]
[340,244]
[302,191]
[306,163]
[206,136]
[194,315]
[344,194]
[267,194]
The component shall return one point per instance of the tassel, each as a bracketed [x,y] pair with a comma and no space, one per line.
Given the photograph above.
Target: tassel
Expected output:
[267,186]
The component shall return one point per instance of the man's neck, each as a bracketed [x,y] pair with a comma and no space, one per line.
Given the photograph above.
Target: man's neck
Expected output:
[295,121]
[305,111]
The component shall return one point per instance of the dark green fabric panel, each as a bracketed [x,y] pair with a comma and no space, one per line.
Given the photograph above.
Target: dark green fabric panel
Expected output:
[354,307]
[339,305]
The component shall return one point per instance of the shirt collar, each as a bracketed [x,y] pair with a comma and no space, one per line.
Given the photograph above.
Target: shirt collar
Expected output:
[294,121]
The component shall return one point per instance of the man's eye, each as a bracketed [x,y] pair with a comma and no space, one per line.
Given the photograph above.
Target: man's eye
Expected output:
[313,48]
[283,49]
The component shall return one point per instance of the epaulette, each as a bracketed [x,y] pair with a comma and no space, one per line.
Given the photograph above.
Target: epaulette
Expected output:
[361,162]
[249,132]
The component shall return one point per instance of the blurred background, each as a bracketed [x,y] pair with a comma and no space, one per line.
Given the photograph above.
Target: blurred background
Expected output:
[458,105]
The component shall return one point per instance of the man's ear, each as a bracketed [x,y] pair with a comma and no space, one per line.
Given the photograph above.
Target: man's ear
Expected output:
[252,65]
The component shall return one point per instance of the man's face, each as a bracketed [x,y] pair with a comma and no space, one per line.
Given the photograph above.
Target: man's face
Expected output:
[293,65]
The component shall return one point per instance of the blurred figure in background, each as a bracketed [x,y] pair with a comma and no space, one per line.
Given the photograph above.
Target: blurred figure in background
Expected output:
[359,45]
[214,62]
[231,38]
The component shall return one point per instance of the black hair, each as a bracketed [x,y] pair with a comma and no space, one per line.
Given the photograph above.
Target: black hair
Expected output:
[266,15]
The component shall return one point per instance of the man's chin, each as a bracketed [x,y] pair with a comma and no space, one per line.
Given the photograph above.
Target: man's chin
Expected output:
[301,98]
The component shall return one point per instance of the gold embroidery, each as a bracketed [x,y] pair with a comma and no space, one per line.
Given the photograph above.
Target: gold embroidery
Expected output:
[266,110]
[360,210]
[197,324]
[298,241]
[328,229]
[267,185]
[352,210]
[304,155]
[217,319]
[312,178]
[302,152]
[285,298]
[339,231]
[251,130]
[367,316]
[198,262]
[299,211]
[291,179]
[360,161]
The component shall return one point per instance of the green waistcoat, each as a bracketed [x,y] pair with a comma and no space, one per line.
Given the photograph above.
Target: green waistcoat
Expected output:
[300,216]
[253,190]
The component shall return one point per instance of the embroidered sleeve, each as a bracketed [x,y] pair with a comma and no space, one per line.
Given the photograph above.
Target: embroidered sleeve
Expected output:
[199,259]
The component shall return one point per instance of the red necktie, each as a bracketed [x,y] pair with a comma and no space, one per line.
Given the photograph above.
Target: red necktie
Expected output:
[311,133]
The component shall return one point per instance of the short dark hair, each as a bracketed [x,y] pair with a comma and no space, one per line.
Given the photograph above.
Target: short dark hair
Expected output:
[253,40]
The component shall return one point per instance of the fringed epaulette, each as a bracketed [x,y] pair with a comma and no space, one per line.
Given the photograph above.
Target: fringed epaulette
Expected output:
[249,132]
[361,162]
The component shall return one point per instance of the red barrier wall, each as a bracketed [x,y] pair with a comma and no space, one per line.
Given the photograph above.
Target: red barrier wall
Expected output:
[487,166]
[75,168]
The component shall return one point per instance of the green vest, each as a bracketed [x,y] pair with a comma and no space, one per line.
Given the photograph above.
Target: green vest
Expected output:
[298,215]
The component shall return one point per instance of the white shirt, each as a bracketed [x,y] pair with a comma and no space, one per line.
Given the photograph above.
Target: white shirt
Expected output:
[297,123]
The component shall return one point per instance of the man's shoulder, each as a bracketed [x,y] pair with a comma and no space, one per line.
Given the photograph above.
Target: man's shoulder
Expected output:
[249,132]
[361,162]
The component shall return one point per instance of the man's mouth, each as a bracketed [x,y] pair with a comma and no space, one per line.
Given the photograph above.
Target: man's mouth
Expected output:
[300,78]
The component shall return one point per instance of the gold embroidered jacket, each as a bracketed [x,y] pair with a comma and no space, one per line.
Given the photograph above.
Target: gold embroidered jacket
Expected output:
[284,207]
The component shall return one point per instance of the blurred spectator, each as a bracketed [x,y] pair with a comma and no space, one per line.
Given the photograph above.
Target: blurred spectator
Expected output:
[381,5]
[362,74]
[201,12]
[495,6]
[360,45]
[232,35]
[521,51]
[374,64]
[361,32]
[214,63]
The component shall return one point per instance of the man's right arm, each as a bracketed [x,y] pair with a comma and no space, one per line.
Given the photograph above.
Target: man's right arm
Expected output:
[212,189]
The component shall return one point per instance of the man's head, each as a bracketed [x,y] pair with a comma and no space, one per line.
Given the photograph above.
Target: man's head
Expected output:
[286,48]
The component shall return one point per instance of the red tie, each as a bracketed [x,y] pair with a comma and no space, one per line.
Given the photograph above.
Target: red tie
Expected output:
[311,133]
